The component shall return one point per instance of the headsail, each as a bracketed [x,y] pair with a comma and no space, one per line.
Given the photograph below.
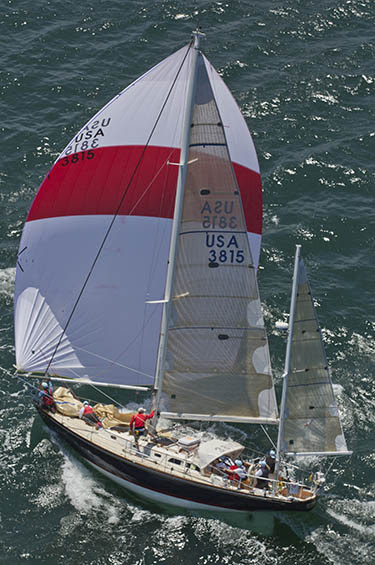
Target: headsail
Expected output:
[312,423]
[217,361]
[95,309]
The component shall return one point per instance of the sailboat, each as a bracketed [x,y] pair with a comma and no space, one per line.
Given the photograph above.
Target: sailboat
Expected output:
[137,269]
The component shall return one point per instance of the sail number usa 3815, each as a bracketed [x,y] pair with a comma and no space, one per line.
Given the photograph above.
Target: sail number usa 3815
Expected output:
[219,220]
[90,137]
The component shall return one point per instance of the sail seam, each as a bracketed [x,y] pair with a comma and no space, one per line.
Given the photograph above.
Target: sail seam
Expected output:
[211,231]
[207,145]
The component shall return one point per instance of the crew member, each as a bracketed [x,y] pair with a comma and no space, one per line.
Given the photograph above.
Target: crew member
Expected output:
[240,470]
[87,413]
[271,460]
[45,396]
[137,423]
[237,471]
[262,474]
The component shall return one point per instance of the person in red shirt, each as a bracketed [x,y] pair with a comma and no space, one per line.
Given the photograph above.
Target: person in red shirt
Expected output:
[87,413]
[45,396]
[137,423]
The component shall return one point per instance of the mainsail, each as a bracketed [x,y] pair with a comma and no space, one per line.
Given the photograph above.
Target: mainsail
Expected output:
[217,360]
[312,423]
[94,250]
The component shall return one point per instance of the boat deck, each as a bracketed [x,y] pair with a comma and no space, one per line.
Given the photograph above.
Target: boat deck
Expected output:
[165,455]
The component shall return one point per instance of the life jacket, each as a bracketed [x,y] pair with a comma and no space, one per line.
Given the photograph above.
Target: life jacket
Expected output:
[261,479]
[265,472]
[47,397]
[271,463]
[233,476]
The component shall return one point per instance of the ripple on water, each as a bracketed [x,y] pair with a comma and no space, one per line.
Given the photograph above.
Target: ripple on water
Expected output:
[351,540]
[7,277]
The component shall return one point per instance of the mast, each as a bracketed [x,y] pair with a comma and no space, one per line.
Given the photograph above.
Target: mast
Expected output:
[160,366]
[287,359]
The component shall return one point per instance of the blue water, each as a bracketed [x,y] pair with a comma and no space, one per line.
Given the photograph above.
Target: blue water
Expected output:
[303,74]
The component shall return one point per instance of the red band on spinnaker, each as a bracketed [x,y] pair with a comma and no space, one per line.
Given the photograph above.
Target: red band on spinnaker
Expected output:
[93,182]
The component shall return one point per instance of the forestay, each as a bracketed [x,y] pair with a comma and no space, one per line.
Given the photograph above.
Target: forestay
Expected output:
[217,363]
[312,423]
[84,313]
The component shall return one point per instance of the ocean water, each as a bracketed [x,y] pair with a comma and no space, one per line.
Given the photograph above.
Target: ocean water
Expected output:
[303,75]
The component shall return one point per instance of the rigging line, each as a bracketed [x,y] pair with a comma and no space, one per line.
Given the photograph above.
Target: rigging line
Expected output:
[331,465]
[157,242]
[150,183]
[157,245]
[75,373]
[267,434]
[129,214]
[118,209]
[160,234]
[28,384]
[161,229]
[114,361]
[110,362]
[329,469]
[37,389]
[106,395]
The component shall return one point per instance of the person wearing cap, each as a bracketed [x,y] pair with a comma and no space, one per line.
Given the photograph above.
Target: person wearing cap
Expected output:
[240,470]
[45,397]
[262,474]
[271,460]
[137,423]
[237,471]
[87,413]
